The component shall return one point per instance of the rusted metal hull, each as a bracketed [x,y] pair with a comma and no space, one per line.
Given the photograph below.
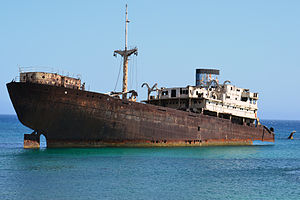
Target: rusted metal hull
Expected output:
[76,118]
[31,141]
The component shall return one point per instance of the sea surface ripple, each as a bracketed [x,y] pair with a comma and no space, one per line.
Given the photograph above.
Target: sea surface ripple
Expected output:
[231,172]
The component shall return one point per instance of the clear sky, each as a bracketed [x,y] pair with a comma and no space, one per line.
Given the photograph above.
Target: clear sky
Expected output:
[255,44]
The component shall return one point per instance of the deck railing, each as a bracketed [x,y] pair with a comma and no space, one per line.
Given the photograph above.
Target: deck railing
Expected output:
[48,70]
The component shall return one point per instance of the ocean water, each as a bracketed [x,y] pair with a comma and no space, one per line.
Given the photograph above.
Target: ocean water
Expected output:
[231,172]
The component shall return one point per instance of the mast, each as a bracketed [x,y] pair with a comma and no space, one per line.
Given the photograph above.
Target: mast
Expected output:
[125,54]
[126,26]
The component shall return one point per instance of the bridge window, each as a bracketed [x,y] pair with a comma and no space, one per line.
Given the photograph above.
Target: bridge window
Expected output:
[173,93]
[183,91]
[165,93]
[244,99]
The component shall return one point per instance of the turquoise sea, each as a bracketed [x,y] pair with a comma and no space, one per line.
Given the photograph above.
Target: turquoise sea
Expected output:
[231,172]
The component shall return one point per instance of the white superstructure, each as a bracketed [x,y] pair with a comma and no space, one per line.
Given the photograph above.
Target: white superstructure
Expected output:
[210,98]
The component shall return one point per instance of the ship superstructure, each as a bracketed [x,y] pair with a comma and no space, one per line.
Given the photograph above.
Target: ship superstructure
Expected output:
[210,97]
[50,79]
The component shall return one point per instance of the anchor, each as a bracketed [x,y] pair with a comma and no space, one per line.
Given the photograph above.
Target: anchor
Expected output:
[32,141]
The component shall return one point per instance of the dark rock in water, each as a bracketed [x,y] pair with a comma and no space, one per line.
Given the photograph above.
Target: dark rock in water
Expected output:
[291,135]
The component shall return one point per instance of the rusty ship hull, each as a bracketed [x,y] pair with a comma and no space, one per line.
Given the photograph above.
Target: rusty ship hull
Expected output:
[77,118]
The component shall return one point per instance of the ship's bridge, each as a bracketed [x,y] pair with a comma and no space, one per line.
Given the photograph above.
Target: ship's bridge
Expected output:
[209,97]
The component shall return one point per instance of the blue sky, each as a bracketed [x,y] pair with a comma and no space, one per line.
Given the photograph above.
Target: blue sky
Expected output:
[255,44]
